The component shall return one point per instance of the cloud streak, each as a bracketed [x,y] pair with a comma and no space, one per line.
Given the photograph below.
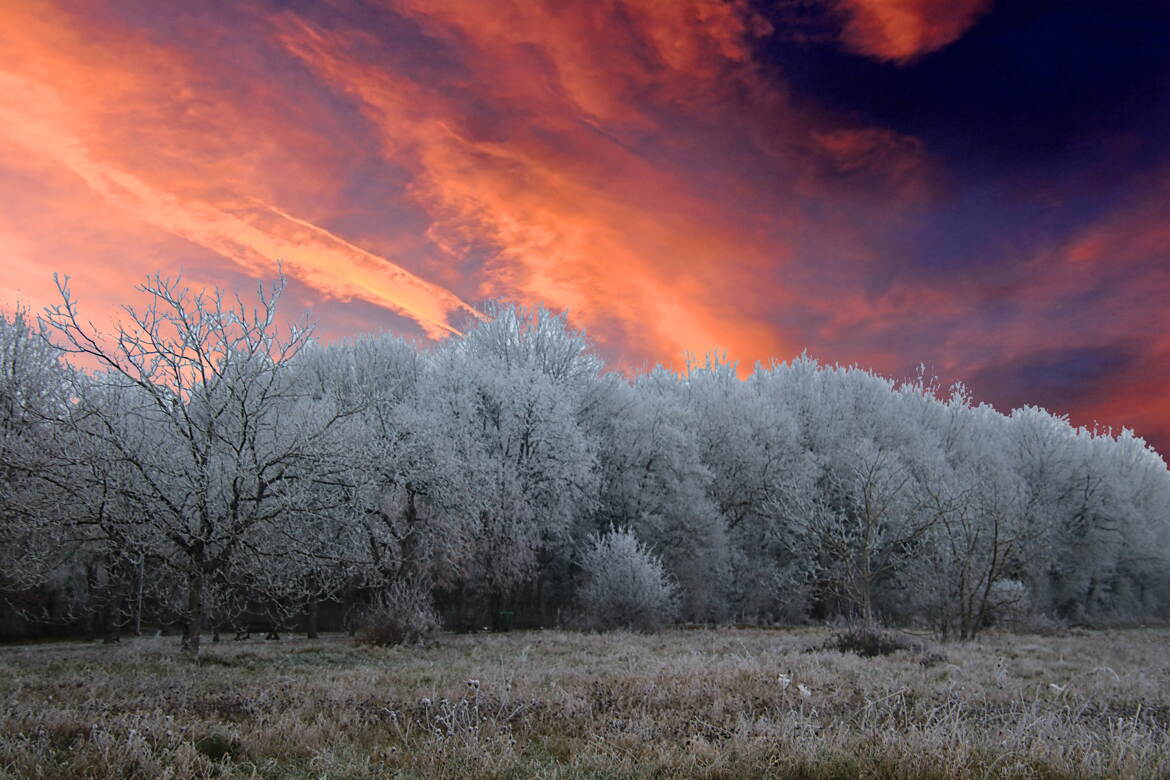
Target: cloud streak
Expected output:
[47,119]
[682,176]
[531,163]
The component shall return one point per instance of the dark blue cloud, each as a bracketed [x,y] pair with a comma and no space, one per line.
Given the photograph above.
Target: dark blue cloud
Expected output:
[1063,378]
[1033,84]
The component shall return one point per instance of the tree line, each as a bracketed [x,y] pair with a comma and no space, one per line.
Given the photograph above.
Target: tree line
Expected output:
[203,461]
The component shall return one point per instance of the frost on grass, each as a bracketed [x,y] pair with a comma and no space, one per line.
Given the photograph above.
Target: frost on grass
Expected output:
[711,703]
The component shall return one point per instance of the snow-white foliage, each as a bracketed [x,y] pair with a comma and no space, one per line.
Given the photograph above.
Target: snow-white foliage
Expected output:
[655,483]
[208,464]
[33,382]
[624,585]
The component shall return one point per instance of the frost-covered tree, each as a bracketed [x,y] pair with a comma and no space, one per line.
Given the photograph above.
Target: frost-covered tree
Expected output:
[747,440]
[1141,583]
[207,464]
[219,449]
[1100,500]
[400,507]
[861,517]
[537,338]
[523,377]
[35,485]
[653,481]
[981,530]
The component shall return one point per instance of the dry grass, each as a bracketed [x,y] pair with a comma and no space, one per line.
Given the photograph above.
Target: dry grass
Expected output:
[562,705]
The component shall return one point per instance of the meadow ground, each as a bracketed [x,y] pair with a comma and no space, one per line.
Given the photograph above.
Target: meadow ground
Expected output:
[724,703]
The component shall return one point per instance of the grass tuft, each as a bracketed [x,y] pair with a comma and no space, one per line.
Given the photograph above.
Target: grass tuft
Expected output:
[218,746]
[870,642]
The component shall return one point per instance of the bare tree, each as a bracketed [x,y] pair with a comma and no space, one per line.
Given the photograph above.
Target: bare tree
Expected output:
[218,443]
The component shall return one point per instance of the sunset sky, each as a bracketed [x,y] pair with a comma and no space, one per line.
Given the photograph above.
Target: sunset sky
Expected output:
[980,186]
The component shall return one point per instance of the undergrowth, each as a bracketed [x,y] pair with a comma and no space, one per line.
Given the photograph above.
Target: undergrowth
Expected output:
[869,642]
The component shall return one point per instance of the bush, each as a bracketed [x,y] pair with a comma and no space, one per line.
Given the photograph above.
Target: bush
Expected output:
[1044,625]
[869,642]
[1010,602]
[625,585]
[401,614]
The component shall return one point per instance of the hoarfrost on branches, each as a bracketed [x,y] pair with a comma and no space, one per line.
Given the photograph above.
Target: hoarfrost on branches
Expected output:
[202,464]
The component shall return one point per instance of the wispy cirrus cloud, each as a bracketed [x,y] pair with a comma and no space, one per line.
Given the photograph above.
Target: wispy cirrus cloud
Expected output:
[528,161]
[63,106]
[682,176]
[550,151]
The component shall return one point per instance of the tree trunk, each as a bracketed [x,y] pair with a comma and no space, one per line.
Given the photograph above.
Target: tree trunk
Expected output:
[411,568]
[112,628]
[140,584]
[116,588]
[194,625]
[313,618]
[92,602]
[461,608]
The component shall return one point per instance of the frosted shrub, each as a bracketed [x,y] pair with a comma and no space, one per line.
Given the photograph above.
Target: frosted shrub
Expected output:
[401,614]
[625,585]
[1010,601]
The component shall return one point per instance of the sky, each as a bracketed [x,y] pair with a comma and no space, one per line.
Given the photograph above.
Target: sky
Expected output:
[980,187]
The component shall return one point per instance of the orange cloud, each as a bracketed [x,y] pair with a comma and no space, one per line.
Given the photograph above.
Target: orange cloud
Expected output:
[902,30]
[146,134]
[538,151]
[536,158]
[899,162]
[568,213]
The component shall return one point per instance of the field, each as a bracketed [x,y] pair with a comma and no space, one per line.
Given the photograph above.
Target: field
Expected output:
[721,703]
